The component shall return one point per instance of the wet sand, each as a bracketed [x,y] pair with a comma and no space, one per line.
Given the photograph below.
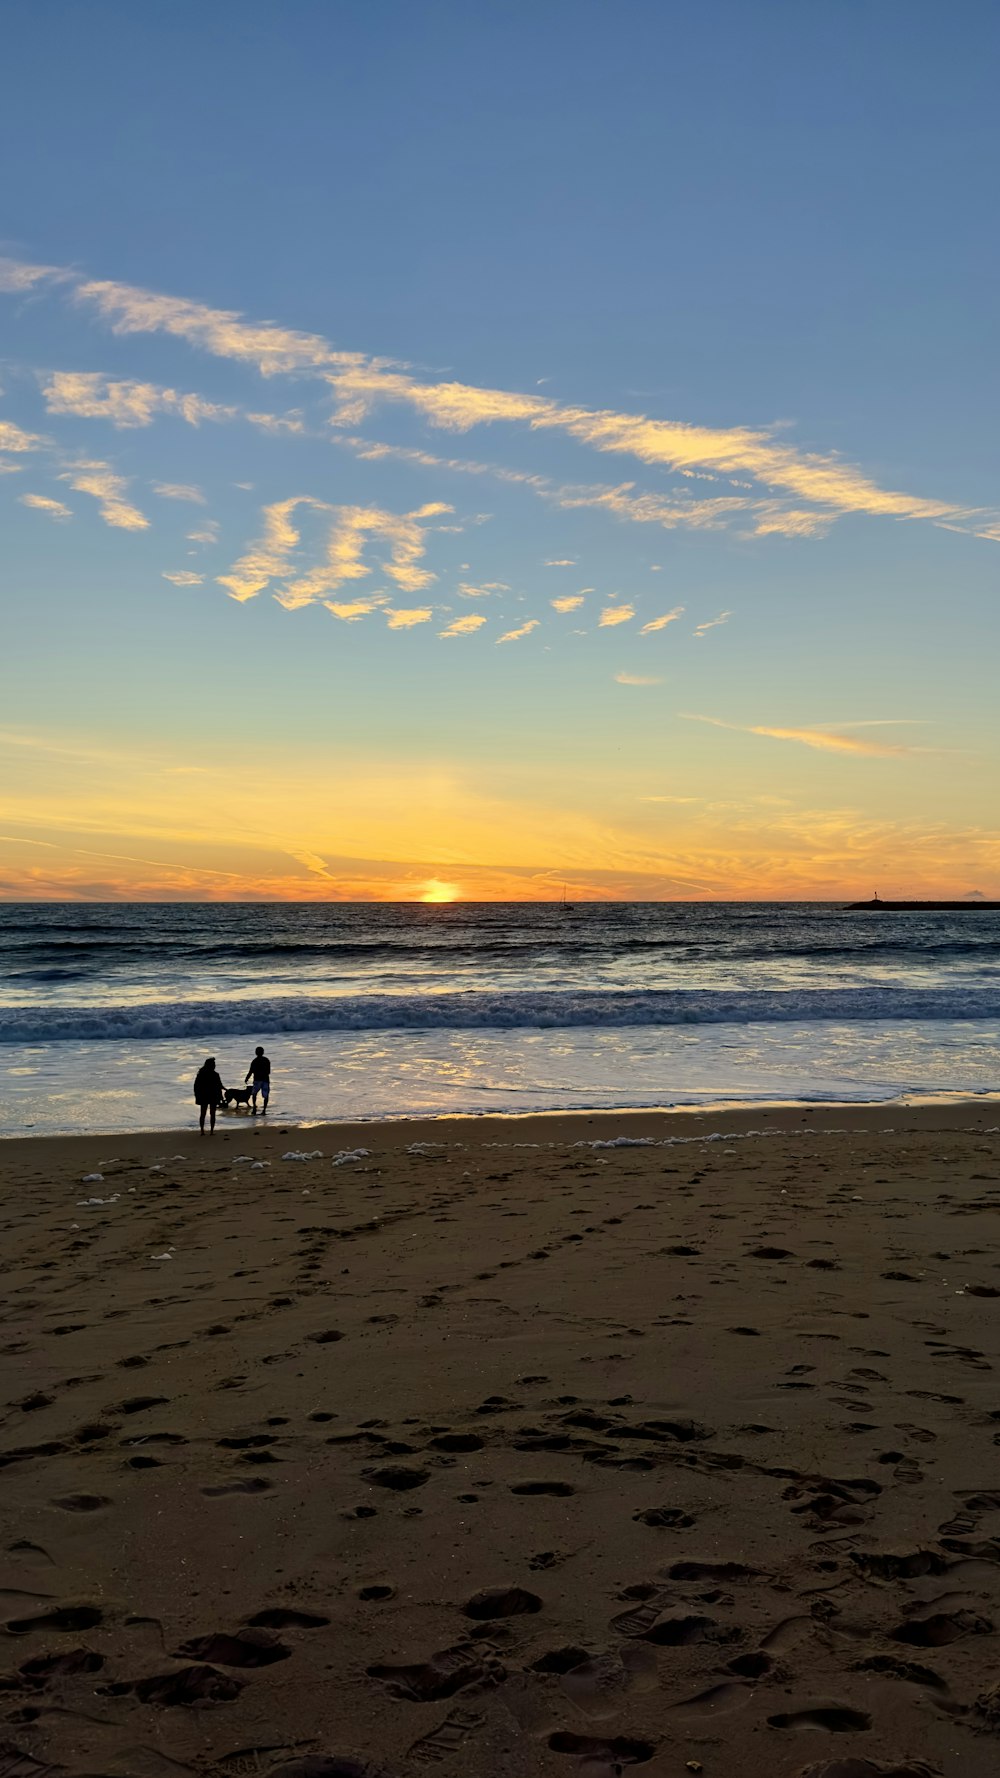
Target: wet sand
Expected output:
[494,1450]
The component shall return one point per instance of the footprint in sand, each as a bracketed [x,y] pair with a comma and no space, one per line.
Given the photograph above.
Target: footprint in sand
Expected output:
[867,1768]
[610,1756]
[252,1485]
[718,1700]
[559,1490]
[191,1685]
[63,1617]
[940,1628]
[445,1740]
[443,1674]
[668,1517]
[398,1476]
[283,1617]
[500,1602]
[250,1648]
[42,1668]
[835,1718]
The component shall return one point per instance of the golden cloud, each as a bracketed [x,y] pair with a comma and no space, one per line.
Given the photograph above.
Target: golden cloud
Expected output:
[270,555]
[516,635]
[179,491]
[14,438]
[660,623]
[42,503]
[90,396]
[406,619]
[713,623]
[350,610]
[824,740]
[464,626]
[615,614]
[359,382]
[108,489]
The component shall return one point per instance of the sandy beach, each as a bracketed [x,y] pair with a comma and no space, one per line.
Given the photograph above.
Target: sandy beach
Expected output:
[505,1447]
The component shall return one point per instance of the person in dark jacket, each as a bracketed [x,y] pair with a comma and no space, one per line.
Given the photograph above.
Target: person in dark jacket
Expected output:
[208,1092]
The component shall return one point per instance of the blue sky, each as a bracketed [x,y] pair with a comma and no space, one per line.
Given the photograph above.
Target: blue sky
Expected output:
[430,314]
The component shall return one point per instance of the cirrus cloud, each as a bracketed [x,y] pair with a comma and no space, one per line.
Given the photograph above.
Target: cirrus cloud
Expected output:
[42,503]
[823,740]
[516,635]
[407,619]
[464,626]
[359,382]
[109,490]
[660,623]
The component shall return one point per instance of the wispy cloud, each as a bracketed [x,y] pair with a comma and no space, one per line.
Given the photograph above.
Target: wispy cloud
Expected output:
[678,445]
[270,556]
[485,591]
[638,679]
[350,610]
[109,490]
[126,403]
[569,602]
[184,577]
[516,635]
[42,503]
[561,562]
[15,439]
[359,382]
[222,332]
[713,623]
[464,626]
[615,614]
[352,529]
[824,740]
[777,489]
[207,532]
[277,423]
[775,521]
[407,619]
[16,276]
[179,491]
[660,623]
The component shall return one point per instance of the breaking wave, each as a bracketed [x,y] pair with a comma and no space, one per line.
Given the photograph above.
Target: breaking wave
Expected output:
[496,1011]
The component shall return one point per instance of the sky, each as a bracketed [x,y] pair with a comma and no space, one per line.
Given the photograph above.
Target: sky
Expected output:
[458,452]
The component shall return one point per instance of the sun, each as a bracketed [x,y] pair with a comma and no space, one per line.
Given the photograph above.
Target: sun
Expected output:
[435,890]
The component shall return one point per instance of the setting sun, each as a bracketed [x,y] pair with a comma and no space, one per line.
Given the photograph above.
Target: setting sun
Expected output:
[435,890]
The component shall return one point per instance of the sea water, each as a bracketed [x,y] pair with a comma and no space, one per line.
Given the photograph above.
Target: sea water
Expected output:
[374,1011]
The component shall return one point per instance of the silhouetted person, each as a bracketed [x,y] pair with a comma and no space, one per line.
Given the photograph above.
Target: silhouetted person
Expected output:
[208,1092]
[260,1071]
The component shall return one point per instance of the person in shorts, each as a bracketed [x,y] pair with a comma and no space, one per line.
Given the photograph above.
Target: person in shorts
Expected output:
[259,1072]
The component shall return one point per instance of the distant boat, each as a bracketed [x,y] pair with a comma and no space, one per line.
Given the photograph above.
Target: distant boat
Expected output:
[567,907]
[878,906]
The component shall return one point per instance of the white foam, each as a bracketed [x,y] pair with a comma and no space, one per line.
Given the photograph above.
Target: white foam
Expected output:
[497,1009]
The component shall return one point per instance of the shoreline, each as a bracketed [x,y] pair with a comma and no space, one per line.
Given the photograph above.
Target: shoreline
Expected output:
[559,1128]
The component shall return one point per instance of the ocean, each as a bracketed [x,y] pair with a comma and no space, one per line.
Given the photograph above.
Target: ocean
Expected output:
[377,1011]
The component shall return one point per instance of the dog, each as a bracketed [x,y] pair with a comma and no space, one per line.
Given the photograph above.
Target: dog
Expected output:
[236,1096]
